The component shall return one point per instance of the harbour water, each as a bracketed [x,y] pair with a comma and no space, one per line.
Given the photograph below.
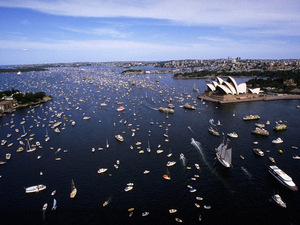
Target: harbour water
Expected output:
[236,196]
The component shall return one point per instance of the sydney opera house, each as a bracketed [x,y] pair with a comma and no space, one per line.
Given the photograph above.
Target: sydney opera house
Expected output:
[229,90]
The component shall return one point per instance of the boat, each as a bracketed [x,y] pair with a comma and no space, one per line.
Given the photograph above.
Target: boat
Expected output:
[119,137]
[120,109]
[167,175]
[159,151]
[73,190]
[260,131]
[259,152]
[296,157]
[282,177]
[251,117]
[224,154]
[213,131]
[145,213]
[178,220]
[192,190]
[105,203]
[272,159]
[146,172]
[181,156]
[86,117]
[172,210]
[3,142]
[260,125]
[166,110]
[242,157]
[54,205]
[53,192]
[207,207]
[35,188]
[7,156]
[128,188]
[278,200]
[171,163]
[232,135]
[188,106]
[148,147]
[197,166]
[45,206]
[102,170]
[277,141]
[280,126]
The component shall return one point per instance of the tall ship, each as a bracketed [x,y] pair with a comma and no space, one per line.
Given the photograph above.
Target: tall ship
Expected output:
[283,178]
[224,154]
[280,126]
[260,131]
[251,117]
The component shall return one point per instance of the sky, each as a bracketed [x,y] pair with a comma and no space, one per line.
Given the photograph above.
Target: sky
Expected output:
[55,31]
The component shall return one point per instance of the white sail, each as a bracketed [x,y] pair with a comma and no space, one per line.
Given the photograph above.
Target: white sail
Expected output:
[228,156]
[223,154]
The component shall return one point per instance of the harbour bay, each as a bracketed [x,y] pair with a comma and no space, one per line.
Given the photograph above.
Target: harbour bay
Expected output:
[236,196]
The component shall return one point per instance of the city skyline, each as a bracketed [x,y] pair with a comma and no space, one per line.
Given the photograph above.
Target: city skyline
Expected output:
[93,31]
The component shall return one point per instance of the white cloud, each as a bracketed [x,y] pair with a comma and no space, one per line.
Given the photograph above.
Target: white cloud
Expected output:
[235,13]
[111,32]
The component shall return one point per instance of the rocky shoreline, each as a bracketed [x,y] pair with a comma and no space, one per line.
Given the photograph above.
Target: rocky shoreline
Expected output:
[45,99]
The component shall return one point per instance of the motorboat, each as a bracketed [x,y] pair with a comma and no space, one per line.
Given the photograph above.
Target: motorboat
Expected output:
[102,170]
[172,210]
[7,156]
[259,152]
[35,188]
[128,188]
[251,117]
[73,190]
[45,206]
[213,131]
[232,135]
[272,159]
[260,131]
[278,200]
[171,163]
[282,177]
[277,141]
[119,137]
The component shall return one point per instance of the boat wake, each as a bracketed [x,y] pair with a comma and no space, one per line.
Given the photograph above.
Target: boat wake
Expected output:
[199,148]
[190,129]
[246,172]
[151,107]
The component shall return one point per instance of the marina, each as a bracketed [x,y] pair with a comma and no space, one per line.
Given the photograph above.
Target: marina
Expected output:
[112,132]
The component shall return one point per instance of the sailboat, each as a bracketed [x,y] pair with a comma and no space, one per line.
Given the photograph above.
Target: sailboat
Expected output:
[224,154]
[73,190]
[24,132]
[54,204]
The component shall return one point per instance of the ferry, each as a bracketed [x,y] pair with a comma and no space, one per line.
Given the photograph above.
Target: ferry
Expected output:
[280,126]
[251,117]
[283,178]
[260,131]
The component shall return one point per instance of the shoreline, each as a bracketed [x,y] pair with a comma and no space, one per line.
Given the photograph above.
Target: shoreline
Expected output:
[252,99]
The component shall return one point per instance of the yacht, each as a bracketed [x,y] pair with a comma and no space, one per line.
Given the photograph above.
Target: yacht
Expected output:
[232,135]
[259,152]
[36,188]
[277,141]
[283,178]
[278,200]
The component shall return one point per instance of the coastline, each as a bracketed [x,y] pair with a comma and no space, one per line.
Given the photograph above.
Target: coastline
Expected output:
[45,99]
[249,99]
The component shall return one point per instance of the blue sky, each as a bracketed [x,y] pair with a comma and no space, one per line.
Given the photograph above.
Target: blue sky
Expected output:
[49,31]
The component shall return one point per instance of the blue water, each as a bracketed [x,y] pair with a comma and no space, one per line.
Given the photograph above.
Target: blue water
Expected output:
[236,196]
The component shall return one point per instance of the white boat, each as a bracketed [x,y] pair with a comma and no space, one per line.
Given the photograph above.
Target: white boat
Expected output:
[277,141]
[197,166]
[181,156]
[224,154]
[296,157]
[259,152]
[171,163]
[178,220]
[278,200]
[128,188]
[119,137]
[7,156]
[29,147]
[35,188]
[73,190]
[232,135]
[148,147]
[145,213]
[120,109]
[272,159]
[53,192]
[172,210]
[102,170]
[45,206]
[86,117]
[283,178]
[159,151]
